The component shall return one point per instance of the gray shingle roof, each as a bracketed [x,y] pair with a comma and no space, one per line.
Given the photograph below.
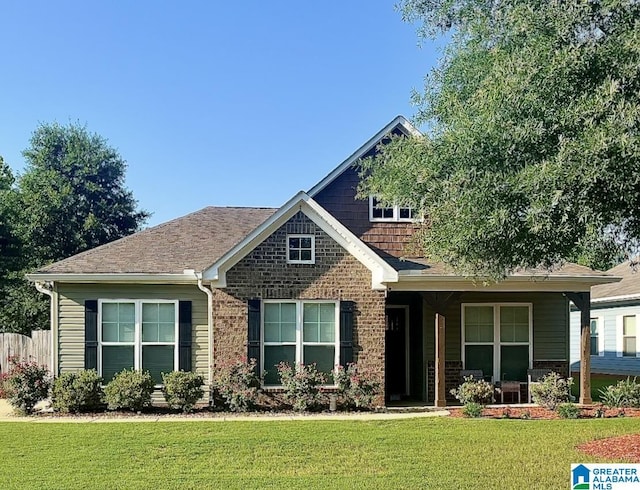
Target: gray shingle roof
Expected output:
[194,241]
[629,286]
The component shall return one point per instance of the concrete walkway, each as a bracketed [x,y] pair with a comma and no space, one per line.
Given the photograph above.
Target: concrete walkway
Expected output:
[7,415]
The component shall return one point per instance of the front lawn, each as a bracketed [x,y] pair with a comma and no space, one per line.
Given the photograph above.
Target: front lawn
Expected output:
[412,453]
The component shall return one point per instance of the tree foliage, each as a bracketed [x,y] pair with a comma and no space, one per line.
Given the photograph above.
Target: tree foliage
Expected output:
[532,152]
[71,197]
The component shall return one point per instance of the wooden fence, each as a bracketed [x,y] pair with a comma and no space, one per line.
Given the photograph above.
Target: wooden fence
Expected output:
[35,348]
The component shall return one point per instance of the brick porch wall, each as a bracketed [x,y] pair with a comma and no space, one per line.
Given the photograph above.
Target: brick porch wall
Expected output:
[560,367]
[265,274]
[451,379]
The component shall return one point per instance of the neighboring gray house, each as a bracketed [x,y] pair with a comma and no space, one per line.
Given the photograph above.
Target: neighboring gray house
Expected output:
[615,325]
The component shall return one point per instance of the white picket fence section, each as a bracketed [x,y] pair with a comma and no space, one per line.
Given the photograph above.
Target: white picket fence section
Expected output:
[35,348]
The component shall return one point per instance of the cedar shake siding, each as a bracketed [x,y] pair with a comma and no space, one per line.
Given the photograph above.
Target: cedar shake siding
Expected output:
[339,199]
[336,275]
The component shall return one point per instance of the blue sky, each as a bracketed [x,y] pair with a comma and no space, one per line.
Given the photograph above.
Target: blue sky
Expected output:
[210,103]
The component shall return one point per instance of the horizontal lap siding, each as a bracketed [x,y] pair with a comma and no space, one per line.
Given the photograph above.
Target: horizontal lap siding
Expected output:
[71,317]
[550,314]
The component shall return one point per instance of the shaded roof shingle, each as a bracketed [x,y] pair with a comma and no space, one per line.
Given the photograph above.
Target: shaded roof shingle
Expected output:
[629,286]
[194,241]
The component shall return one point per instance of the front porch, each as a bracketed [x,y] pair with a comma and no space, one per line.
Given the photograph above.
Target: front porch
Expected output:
[431,337]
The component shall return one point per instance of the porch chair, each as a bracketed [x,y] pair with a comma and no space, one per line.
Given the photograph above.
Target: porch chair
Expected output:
[534,377]
[476,374]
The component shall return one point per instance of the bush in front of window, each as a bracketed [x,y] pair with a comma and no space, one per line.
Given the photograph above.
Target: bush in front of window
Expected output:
[129,390]
[76,392]
[624,394]
[237,385]
[552,390]
[26,384]
[474,391]
[182,389]
[301,385]
[354,387]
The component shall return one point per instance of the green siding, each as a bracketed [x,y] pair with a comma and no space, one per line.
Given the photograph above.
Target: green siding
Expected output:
[550,323]
[71,317]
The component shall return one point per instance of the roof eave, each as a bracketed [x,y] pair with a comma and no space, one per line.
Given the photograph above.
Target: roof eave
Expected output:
[188,277]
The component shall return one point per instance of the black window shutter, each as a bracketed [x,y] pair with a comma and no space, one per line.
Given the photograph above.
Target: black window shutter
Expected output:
[184,335]
[91,334]
[346,332]
[253,339]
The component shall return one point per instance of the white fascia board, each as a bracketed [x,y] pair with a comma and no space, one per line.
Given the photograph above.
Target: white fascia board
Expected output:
[381,272]
[413,282]
[614,299]
[137,278]
[401,121]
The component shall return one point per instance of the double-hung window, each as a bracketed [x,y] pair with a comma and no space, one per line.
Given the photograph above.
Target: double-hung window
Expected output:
[379,212]
[299,332]
[596,327]
[496,338]
[627,336]
[138,334]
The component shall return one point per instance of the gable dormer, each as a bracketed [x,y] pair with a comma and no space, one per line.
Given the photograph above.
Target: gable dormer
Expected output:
[386,230]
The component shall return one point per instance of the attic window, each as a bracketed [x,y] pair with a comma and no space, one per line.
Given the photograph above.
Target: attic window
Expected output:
[301,249]
[378,212]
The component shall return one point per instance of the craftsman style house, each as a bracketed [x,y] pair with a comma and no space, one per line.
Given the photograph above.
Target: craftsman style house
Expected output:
[326,279]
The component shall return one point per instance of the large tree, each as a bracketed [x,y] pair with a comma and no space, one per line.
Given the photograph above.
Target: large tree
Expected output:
[531,154]
[71,197]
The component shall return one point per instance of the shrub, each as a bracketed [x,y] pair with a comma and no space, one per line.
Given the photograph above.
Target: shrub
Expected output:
[3,385]
[77,392]
[552,391]
[301,385]
[624,394]
[568,411]
[357,389]
[238,385]
[474,391]
[26,384]
[182,389]
[129,390]
[472,410]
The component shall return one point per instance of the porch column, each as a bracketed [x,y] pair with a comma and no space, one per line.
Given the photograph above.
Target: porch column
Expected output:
[440,395]
[583,303]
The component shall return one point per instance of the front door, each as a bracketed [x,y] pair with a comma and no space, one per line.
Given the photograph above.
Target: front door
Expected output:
[396,359]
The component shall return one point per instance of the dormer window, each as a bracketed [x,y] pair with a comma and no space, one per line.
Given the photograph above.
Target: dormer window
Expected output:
[301,249]
[379,212]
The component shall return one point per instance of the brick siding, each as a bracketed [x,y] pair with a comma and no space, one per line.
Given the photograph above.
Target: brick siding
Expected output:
[336,275]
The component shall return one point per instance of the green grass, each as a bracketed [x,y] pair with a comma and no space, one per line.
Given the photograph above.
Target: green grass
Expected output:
[413,453]
[598,382]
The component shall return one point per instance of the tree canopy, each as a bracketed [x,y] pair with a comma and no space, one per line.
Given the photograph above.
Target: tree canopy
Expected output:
[70,198]
[531,154]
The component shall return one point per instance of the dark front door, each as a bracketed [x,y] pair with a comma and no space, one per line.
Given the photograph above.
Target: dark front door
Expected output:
[396,354]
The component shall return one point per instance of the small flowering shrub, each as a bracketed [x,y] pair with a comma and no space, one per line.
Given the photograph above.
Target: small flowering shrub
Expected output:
[552,390]
[238,385]
[355,388]
[182,389]
[472,410]
[301,384]
[26,384]
[624,394]
[129,390]
[474,391]
[76,392]
[3,385]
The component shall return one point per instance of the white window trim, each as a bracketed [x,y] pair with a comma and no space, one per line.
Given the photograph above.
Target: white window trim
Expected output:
[299,343]
[496,336]
[396,214]
[620,338]
[137,343]
[313,249]
[600,327]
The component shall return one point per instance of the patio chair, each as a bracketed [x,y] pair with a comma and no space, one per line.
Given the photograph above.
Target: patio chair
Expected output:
[534,376]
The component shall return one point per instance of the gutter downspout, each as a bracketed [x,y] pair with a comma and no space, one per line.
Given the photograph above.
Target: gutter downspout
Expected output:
[47,288]
[209,294]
